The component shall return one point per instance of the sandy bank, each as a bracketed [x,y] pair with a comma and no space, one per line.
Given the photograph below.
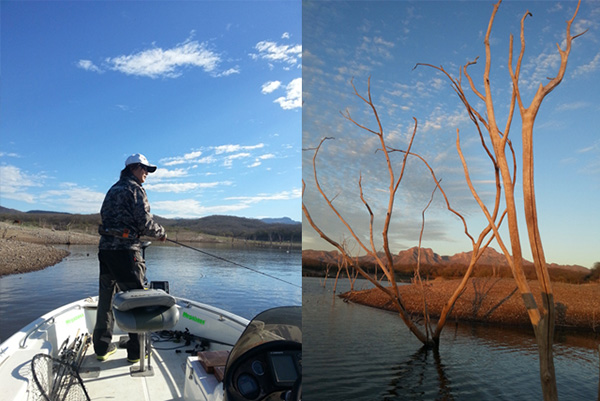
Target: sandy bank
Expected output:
[22,257]
[45,236]
[24,249]
[493,301]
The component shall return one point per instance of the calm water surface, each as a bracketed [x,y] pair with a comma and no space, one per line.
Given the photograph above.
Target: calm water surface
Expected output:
[353,352]
[25,297]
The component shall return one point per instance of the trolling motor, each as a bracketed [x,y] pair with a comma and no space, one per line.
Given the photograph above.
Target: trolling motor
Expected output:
[158,285]
[145,245]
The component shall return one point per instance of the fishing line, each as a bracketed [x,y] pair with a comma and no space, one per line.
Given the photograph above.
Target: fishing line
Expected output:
[232,262]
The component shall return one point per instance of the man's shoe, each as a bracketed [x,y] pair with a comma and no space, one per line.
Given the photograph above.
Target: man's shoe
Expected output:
[135,360]
[111,350]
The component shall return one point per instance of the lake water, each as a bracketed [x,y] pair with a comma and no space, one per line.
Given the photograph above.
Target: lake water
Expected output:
[192,275]
[353,352]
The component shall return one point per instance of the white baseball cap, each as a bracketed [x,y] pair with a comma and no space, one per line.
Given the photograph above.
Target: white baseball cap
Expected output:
[140,159]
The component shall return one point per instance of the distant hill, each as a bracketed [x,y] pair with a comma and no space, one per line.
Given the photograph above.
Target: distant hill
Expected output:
[273,229]
[45,212]
[282,220]
[238,227]
[434,265]
[5,210]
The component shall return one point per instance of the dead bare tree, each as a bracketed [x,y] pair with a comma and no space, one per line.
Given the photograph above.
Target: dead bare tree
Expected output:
[542,316]
[385,263]
[430,337]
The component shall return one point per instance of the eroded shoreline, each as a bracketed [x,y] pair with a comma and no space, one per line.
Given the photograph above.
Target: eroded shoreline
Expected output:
[27,249]
[494,301]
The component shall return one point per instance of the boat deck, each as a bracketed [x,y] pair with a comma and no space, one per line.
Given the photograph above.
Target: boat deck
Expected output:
[177,374]
[112,379]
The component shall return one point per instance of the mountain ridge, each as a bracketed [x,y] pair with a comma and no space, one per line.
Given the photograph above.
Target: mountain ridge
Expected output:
[267,220]
[408,258]
[271,229]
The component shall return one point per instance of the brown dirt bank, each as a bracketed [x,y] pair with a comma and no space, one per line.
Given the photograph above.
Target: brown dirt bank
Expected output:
[489,300]
[22,257]
[25,249]
[46,236]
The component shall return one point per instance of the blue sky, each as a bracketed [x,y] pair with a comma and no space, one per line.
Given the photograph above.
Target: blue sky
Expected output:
[384,41]
[210,92]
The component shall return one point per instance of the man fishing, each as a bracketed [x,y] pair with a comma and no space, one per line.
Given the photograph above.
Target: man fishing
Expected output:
[125,217]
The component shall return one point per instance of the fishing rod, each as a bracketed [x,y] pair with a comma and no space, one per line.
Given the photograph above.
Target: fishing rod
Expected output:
[230,261]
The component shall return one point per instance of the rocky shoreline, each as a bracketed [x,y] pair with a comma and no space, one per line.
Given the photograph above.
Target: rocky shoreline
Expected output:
[26,249]
[494,301]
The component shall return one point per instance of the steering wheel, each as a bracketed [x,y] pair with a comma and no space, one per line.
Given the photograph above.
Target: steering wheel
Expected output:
[296,394]
[261,387]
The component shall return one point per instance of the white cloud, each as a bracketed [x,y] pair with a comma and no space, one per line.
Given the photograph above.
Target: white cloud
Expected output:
[231,71]
[238,156]
[75,199]
[572,106]
[283,195]
[589,68]
[190,208]
[220,154]
[207,160]
[285,35]
[258,160]
[157,62]
[16,183]
[293,97]
[186,158]
[380,41]
[270,86]
[543,66]
[376,47]
[441,120]
[88,66]
[71,198]
[592,148]
[229,159]
[163,173]
[274,52]
[183,186]
[235,148]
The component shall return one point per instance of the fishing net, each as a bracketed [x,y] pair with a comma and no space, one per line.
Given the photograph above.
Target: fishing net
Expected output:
[55,380]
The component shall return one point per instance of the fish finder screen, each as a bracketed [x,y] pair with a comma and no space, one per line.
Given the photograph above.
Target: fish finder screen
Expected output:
[284,368]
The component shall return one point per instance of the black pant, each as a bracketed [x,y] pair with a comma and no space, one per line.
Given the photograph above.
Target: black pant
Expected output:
[121,270]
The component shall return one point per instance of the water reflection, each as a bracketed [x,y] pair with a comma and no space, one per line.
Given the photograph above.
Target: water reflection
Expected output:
[410,376]
[360,353]
[190,275]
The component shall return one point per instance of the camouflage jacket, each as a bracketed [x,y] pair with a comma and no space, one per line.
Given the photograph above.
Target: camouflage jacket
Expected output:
[126,209]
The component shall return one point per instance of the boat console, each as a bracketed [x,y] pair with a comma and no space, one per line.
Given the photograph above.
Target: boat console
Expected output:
[266,362]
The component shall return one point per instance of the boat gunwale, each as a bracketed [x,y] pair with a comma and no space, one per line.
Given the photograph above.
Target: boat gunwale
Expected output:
[19,339]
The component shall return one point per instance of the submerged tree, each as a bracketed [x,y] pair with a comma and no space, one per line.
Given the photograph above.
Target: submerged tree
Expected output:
[425,333]
[386,263]
[542,316]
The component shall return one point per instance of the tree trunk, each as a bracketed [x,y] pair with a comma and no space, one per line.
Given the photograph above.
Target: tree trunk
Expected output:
[544,334]
[545,330]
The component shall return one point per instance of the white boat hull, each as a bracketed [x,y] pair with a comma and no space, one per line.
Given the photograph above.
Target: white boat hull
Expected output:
[177,375]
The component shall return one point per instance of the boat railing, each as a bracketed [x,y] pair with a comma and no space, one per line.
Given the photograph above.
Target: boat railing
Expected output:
[186,303]
[50,320]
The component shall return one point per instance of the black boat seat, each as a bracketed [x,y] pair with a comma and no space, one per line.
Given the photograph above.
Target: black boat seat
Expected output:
[141,311]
